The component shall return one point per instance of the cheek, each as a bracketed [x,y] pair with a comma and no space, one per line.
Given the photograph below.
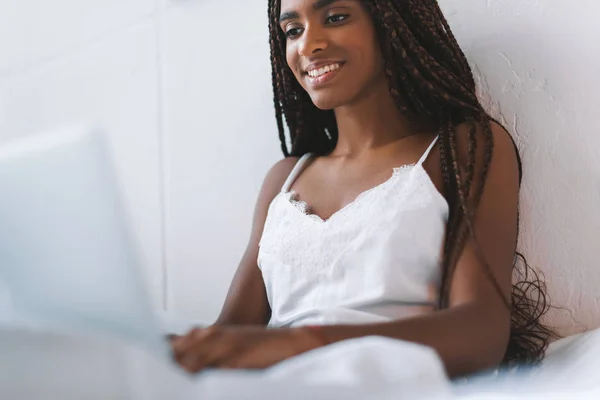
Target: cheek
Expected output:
[366,47]
[372,67]
[291,57]
[378,63]
[292,62]
[377,56]
[372,54]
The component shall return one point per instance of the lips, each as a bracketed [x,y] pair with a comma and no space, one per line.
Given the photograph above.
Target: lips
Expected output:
[323,72]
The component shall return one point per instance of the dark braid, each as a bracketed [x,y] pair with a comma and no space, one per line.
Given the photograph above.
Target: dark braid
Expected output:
[276,66]
[428,75]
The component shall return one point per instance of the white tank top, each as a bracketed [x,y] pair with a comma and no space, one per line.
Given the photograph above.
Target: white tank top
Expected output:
[375,260]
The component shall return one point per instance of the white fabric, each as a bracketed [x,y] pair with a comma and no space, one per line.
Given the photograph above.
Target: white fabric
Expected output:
[376,259]
[45,365]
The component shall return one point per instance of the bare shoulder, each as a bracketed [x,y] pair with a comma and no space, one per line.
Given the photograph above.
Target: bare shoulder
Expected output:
[277,175]
[504,158]
[504,155]
[271,186]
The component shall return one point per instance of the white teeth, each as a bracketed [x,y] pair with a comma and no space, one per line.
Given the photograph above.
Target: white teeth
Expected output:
[315,73]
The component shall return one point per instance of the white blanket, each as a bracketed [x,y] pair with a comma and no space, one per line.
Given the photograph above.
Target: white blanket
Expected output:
[38,365]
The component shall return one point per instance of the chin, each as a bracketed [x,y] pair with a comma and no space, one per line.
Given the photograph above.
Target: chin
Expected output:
[329,101]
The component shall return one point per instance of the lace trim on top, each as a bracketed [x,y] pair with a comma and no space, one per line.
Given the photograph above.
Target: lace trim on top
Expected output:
[303,207]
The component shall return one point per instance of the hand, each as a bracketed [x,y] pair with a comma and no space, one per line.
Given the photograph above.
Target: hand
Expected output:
[240,347]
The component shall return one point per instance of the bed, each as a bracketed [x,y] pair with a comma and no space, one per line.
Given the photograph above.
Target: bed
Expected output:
[60,365]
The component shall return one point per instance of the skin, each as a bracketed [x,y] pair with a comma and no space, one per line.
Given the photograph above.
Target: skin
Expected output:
[373,138]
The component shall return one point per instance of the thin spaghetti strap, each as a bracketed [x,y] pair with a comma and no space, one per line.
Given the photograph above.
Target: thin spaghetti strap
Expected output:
[295,172]
[424,156]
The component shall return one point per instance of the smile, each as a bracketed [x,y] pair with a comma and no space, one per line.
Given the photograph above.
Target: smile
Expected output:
[324,74]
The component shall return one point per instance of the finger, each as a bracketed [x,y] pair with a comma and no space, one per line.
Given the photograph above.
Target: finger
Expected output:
[206,349]
[183,343]
[172,337]
[193,362]
[200,358]
[188,348]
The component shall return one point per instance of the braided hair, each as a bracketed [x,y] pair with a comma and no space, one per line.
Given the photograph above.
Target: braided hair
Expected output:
[428,76]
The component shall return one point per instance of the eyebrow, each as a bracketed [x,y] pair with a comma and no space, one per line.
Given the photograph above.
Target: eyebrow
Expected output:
[319,4]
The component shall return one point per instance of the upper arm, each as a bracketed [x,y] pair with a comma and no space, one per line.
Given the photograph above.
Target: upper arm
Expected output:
[494,245]
[246,302]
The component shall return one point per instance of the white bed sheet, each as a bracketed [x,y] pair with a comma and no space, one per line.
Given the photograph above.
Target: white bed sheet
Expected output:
[38,365]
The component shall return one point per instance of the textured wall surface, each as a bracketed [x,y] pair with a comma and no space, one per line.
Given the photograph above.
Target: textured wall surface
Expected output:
[537,65]
[184,88]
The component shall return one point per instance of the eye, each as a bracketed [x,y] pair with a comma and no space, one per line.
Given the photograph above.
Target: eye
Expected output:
[292,33]
[334,19]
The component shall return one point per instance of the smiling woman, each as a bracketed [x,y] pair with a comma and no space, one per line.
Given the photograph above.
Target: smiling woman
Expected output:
[395,211]
[345,36]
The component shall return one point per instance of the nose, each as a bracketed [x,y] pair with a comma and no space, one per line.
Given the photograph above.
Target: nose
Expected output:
[313,40]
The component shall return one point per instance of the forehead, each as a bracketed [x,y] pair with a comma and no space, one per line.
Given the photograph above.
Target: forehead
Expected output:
[296,4]
[305,5]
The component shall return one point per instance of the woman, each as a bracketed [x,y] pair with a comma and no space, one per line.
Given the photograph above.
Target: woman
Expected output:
[396,211]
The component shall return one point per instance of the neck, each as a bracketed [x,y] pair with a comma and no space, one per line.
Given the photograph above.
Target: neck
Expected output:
[370,121]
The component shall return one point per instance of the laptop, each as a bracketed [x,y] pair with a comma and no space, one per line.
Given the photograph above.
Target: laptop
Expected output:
[67,256]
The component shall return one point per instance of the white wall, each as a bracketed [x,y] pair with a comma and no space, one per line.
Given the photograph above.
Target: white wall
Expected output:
[538,61]
[220,140]
[65,60]
[184,88]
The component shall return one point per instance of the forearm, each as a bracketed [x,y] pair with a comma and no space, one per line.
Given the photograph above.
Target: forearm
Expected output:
[232,318]
[244,313]
[462,336]
[246,302]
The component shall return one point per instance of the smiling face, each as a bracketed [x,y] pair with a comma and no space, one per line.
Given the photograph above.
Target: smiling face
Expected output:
[331,49]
